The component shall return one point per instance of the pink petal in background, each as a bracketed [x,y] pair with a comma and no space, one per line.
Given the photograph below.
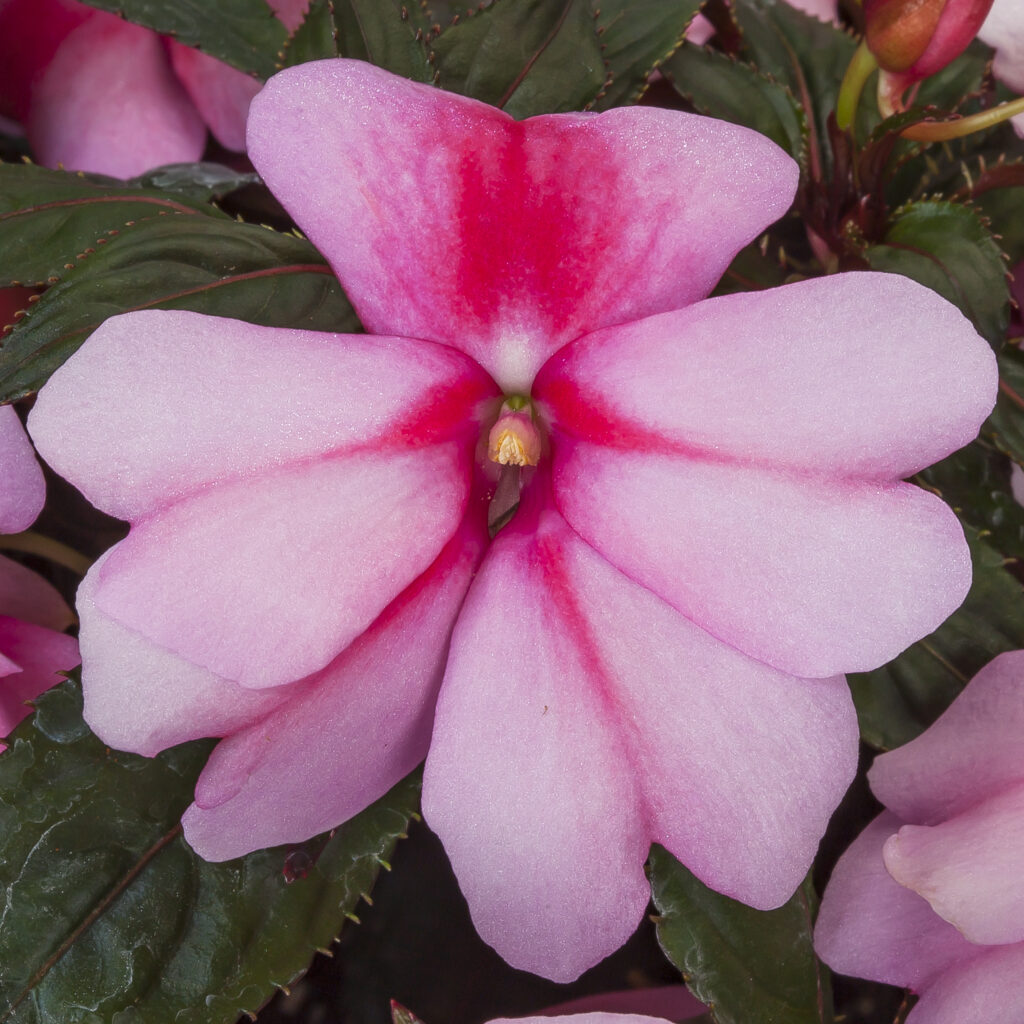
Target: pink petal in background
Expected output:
[22,490]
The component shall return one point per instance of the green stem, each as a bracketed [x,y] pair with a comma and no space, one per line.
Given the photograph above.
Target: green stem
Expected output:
[857,73]
[36,544]
[940,131]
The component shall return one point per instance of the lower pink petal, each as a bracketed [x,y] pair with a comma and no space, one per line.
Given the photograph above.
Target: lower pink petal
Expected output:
[529,782]
[109,103]
[22,491]
[970,868]
[985,990]
[869,926]
[221,93]
[25,595]
[356,729]
[144,698]
[812,576]
[741,766]
[42,655]
[972,751]
[265,581]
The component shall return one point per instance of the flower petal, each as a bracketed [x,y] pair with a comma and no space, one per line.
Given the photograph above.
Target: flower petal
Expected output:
[25,595]
[811,576]
[990,987]
[596,1017]
[740,766]
[109,103]
[265,581]
[897,380]
[42,655]
[970,868]
[356,729]
[127,712]
[871,927]
[528,782]
[220,93]
[505,238]
[157,405]
[22,490]
[972,751]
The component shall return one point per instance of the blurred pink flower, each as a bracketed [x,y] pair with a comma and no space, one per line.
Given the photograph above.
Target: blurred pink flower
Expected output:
[931,895]
[652,648]
[22,490]
[601,1016]
[665,1002]
[701,30]
[97,93]
[34,651]
[1004,31]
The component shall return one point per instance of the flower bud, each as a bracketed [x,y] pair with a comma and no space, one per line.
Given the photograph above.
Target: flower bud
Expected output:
[915,38]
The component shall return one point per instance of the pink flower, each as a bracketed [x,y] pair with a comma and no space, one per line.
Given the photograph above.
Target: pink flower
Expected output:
[652,648]
[930,896]
[701,30]
[22,490]
[34,652]
[1004,31]
[601,1016]
[97,93]
[913,39]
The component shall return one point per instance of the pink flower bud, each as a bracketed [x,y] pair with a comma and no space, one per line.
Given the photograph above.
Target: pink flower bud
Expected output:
[912,39]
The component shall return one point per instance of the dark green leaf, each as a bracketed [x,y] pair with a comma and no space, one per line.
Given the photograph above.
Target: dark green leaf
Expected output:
[316,38]
[799,51]
[1006,424]
[1002,205]
[750,966]
[637,36]
[49,218]
[751,269]
[202,182]
[108,913]
[388,33]
[525,56]
[900,700]
[721,87]
[220,267]
[243,33]
[947,247]
[975,481]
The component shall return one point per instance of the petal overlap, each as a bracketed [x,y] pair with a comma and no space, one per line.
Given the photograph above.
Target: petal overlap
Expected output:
[374,704]
[505,238]
[812,576]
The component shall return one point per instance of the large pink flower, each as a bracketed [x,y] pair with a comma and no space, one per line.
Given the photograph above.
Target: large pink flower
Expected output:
[931,895]
[651,649]
[97,93]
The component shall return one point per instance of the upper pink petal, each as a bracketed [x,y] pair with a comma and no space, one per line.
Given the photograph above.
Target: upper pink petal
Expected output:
[826,10]
[25,595]
[41,655]
[860,374]
[449,220]
[354,730]
[596,1017]
[22,490]
[1004,29]
[972,751]
[740,766]
[125,709]
[108,102]
[528,781]
[987,988]
[970,868]
[266,580]
[869,926]
[157,405]
[812,576]
[220,93]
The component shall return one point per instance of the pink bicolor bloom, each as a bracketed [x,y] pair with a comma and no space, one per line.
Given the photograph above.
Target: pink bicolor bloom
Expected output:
[34,651]
[652,649]
[931,895]
[97,93]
